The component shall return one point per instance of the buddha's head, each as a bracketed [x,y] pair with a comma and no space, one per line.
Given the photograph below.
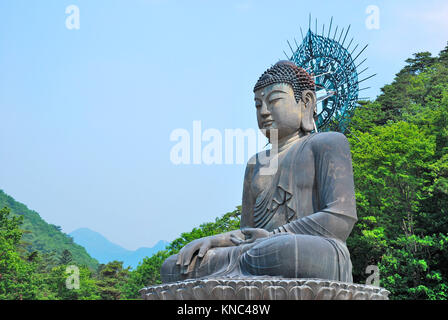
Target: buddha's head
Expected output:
[285,100]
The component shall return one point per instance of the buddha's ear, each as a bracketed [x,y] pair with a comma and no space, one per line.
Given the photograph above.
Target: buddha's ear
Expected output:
[308,109]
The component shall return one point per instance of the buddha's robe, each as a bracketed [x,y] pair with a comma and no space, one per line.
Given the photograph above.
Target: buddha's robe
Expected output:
[309,206]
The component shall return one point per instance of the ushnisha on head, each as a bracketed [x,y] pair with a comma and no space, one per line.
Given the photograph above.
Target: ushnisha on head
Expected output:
[285,99]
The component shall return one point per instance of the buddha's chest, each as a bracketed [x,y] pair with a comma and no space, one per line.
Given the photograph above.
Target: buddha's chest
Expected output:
[260,182]
[300,170]
[282,190]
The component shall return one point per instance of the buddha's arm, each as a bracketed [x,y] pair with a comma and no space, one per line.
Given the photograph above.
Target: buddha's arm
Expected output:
[247,217]
[322,223]
[335,188]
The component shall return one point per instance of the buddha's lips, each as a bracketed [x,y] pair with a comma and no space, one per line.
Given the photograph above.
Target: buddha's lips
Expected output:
[267,123]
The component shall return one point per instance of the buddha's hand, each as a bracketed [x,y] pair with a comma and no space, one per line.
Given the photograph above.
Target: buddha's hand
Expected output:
[251,234]
[202,245]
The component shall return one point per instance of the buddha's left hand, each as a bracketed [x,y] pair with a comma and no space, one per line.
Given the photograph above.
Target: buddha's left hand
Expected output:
[251,235]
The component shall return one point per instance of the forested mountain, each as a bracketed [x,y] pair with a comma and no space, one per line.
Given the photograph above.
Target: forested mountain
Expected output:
[46,238]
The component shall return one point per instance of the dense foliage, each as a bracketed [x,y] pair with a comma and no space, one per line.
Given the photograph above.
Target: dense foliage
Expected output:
[41,275]
[44,237]
[399,145]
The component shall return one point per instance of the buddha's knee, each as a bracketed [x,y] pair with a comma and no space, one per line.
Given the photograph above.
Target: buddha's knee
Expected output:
[168,272]
[290,256]
[273,256]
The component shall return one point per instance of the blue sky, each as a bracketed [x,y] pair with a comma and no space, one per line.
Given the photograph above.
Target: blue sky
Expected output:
[86,114]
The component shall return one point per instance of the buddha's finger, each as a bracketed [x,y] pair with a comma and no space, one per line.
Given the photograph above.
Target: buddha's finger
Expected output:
[179,259]
[189,255]
[203,250]
[187,259]
[184,269]
[248,232]
[180,256]
[236,240]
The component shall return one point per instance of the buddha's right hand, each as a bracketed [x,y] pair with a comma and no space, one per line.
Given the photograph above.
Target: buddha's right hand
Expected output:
[202,245]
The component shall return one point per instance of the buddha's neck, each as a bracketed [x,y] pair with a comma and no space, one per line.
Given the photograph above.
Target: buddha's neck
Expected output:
[286,142]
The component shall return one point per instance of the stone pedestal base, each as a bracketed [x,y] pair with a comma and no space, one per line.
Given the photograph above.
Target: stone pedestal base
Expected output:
[263,288]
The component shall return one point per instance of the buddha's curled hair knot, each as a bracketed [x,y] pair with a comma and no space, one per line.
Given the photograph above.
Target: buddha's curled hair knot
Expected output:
[287,72]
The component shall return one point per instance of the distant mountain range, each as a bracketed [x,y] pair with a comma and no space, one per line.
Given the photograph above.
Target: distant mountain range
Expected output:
[106,251]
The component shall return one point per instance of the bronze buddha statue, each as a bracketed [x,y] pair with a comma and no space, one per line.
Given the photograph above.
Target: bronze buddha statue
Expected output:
[295,220]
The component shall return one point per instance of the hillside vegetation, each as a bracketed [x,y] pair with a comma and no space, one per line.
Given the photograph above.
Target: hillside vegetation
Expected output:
[43,237]
[399,147]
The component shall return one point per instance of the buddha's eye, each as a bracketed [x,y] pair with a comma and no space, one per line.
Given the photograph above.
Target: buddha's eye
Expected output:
[257,105]
[275,99]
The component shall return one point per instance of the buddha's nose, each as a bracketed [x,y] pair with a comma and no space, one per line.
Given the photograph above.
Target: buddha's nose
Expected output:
[264,111]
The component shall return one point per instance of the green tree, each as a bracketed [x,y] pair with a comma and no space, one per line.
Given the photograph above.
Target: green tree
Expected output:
[66,257]
[15,273]
[112,277]
[56,281]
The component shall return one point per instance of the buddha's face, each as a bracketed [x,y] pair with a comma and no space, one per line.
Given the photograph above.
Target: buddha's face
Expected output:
[278,109]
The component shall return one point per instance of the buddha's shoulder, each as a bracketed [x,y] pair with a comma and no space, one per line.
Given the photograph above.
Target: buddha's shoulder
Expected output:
[259,158]
[328,139]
